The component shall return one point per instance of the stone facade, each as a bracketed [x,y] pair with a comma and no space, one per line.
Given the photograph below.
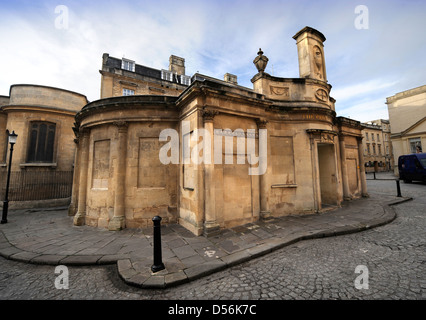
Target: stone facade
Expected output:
[125,77]
[242,154]
[33,103]
[407,116]
[43,118]
[4,100]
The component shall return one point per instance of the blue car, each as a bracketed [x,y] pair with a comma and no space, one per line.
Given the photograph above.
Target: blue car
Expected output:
[412,167]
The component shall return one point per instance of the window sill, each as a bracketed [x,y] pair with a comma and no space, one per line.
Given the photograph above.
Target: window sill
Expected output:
[43,165]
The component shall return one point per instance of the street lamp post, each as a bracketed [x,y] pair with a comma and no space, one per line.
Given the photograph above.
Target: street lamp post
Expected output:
[12,141]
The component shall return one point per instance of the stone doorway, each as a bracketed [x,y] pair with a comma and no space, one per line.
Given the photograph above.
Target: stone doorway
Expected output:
[327,176]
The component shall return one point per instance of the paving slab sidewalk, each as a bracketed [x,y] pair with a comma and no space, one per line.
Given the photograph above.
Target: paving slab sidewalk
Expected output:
[47,236]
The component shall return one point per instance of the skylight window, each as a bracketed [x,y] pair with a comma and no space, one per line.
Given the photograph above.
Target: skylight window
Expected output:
[186,80]
[128,65]
[166,75]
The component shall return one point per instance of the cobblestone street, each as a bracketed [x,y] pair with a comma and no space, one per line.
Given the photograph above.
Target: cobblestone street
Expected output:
[394,254]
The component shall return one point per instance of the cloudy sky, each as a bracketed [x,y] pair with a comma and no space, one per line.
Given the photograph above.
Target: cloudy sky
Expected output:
[370,54]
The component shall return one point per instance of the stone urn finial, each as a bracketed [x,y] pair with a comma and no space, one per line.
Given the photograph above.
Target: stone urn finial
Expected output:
[260,61]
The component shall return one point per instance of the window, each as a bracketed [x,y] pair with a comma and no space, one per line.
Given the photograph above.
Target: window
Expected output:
[372,136]
[41,145]
[368,148]
[378,137]
[128,92]
[379,148]
[387,149]
[128,65]
[415,145]
[374,149]
[186,80]
[166,75]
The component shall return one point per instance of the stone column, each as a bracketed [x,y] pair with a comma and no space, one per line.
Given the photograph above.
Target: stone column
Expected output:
[72,208]
[263,178]
[211,227]
[361,168]
[118,221]
[346,192]
[80,216]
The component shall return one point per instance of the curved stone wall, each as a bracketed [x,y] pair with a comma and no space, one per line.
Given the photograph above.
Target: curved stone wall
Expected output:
[36,95]
[120,173]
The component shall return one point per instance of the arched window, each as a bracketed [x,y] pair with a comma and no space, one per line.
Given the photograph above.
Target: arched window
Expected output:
[41,142]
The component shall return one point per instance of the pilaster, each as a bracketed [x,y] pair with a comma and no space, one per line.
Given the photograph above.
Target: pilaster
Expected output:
[263,178]
[346,192]
[361,168]
[211,227]
[80,216]
[118,221]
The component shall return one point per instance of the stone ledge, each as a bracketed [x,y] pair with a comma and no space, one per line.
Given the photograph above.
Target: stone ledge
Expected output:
[204,269]
[236,258]
[24,256]
[9,251]
[49,259]
[75,260]
[154,282]
[175,278]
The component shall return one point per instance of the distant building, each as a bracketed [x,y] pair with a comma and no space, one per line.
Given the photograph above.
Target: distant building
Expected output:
[123,77]
[407,116]
[378,155]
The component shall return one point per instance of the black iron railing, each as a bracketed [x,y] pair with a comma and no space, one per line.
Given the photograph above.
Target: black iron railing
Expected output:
[37,185]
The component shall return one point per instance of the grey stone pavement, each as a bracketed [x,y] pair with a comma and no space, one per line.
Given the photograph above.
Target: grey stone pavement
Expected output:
[47,236]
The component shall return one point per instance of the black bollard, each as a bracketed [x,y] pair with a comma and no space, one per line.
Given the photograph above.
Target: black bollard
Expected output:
[158,263]
[398,188]
[374,173]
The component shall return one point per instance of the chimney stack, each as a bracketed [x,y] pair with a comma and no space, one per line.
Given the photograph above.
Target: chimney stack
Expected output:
[231,78]
[177,65]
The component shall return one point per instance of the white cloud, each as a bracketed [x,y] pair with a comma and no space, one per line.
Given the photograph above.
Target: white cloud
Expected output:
[215,37]
[365,111]
[360,90]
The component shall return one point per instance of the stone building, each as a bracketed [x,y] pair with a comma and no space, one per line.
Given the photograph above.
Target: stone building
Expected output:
[377,146]
[123,77]
[216,154]
[43,118]
[407,116]
[387,143]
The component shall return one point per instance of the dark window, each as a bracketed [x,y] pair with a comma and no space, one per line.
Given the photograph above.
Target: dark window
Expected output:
[42,138]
